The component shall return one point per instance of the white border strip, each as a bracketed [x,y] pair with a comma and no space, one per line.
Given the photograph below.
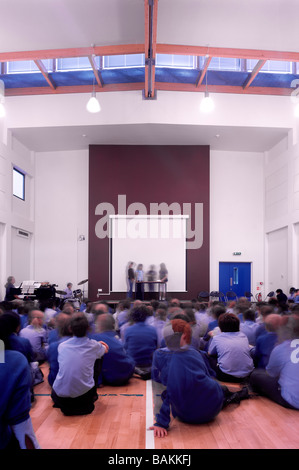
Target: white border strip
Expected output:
[149,417]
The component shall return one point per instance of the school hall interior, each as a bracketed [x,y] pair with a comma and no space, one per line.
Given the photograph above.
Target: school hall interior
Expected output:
[233,170]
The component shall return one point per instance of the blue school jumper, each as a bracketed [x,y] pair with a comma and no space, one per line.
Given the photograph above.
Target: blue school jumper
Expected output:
[117,365]
[191,393]
[141,341]
[15,397]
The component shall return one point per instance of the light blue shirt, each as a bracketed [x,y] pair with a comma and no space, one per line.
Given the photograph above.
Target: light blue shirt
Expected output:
[76,358]
[139,275]
[284,364]
[233,353]
[68,293]
[202,319]
[249,328]
[38,340]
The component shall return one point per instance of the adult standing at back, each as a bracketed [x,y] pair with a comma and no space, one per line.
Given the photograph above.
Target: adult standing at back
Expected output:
[139,275]
[281,297]
[131,280]
[163,276]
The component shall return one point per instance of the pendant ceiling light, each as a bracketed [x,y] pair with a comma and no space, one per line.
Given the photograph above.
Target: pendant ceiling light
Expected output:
[93,105]
[207,104]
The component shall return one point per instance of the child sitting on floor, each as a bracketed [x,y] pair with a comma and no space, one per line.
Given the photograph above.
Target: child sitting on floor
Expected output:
[191,394]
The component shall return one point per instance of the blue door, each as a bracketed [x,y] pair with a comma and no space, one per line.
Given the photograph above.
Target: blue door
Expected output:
[235,277]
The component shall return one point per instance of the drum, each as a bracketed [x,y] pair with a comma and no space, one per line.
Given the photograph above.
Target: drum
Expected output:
[75,303]
[77,293]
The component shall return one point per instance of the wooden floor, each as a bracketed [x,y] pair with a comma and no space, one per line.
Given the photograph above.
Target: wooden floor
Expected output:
[122,416]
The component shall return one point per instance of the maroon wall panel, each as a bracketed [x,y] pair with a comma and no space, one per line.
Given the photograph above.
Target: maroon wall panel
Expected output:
[149,174]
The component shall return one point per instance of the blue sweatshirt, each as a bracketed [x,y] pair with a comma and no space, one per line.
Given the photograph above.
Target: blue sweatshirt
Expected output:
[117,366]
[284,364]
[15,397]
[23,345]
[141,341]
[191,393]
[264,346]
[52,358]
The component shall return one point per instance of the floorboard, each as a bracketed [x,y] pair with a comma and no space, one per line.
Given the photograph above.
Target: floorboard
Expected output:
[119,422]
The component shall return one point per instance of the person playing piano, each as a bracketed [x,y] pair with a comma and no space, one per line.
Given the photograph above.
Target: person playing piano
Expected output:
[10,287]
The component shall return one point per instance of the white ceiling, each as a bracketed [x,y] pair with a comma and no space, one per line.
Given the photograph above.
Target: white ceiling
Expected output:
[219,138]
[57,24]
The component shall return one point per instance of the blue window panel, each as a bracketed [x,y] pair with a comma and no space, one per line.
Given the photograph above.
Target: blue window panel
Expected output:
[114,61]
[73,63]
[134,60]
[274,66]
[223,63]
[123,61]
[176,61]
[22,66]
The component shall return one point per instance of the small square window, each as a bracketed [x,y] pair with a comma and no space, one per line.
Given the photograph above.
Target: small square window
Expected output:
[19,184]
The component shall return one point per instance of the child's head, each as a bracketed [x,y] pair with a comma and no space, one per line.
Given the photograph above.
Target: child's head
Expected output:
[249,315]
[173,333]
[273,322]
[79,325]
[139,313]
[36,318]
[217,310]
[228,323]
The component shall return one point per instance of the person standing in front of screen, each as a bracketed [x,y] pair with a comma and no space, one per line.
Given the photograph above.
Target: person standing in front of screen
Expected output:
[163,276]
[151,277]
[131,279]
[139,282]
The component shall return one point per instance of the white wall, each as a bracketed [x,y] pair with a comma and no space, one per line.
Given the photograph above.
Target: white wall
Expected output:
[62,214]
[61,205]
[15,213]
[236,212]
[277,257]
[21,250]
[51,111]
[282,215]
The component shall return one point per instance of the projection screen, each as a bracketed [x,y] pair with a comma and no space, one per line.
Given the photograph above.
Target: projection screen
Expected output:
[148,240]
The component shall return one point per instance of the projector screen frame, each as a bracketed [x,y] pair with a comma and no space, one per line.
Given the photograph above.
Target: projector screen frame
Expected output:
[161,217]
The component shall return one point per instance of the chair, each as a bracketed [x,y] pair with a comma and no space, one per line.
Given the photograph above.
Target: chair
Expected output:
[230,295]
[203,296]
[217,295]
[248,295]
[271,294]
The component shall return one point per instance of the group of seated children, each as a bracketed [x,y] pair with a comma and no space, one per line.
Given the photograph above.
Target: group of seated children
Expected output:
[191,351]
